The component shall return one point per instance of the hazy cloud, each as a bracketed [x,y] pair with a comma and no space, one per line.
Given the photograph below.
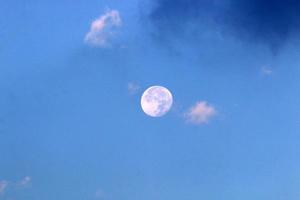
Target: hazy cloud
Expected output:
[26,181]
[267,71]
[200,113]
[132,87]
[3,186]
[103,28]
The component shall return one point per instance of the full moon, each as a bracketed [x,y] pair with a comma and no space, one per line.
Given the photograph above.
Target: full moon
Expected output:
[156,101]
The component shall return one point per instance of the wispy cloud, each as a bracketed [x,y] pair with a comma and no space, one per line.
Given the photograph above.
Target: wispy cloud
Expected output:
[200,113]
[23,183]
[266,71]
[132,87]
[103,28]
[3,186]
[26,181]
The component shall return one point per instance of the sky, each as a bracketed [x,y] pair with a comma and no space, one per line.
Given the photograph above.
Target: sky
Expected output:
[72,74]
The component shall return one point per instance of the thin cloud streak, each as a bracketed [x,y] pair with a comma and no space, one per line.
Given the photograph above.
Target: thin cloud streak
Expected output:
[3,186]
[26,181]
[103,28]
[23,183]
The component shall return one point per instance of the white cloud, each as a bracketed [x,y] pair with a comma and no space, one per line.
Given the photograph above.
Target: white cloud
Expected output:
[132,87]
[200,113]
[3,186]
[103,28]
[26,181]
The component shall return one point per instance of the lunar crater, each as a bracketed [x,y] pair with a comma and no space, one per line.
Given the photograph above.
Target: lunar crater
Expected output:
[156,101]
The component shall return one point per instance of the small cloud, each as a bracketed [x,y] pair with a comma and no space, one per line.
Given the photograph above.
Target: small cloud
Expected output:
[26,181]
[14,185]
[200,113]
[3,186]
[266,71]
[132,87]
[103,28]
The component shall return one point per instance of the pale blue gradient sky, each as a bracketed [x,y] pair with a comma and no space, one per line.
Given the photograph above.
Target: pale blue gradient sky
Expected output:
[68,121]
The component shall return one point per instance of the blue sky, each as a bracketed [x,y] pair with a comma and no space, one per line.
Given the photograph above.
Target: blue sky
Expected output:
[71,125]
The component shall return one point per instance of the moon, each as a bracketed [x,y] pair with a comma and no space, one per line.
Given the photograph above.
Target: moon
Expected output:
[156,101]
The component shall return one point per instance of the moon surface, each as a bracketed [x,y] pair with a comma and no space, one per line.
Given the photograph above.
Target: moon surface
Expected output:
[156,101]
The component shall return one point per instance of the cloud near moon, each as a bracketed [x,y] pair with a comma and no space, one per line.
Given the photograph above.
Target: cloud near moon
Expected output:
[200,113]
[156,101]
